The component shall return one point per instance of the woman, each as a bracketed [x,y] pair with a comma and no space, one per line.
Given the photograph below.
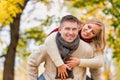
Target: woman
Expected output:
[92,32]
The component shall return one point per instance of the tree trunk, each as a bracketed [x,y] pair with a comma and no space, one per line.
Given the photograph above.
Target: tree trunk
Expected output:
[10,56]
[8,73]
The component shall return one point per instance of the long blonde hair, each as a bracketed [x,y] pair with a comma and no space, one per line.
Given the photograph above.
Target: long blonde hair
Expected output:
[99,40]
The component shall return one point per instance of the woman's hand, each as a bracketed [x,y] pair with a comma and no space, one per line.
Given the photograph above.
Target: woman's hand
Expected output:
[72,62]
[62,71]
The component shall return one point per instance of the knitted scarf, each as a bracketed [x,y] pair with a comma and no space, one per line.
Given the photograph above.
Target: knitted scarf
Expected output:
[66,49]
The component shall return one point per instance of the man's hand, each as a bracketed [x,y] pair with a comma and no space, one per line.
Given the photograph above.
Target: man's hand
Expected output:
[62,72]
[72,62]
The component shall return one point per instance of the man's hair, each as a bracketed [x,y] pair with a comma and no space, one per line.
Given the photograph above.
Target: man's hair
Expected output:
[69,18]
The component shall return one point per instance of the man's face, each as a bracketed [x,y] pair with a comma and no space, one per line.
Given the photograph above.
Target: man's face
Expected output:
[69,31]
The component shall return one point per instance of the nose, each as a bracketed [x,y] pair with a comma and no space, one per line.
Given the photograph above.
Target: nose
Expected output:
[71,31]
[88,31]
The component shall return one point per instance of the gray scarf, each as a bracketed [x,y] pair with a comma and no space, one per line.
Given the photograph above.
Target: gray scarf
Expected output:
[66,49]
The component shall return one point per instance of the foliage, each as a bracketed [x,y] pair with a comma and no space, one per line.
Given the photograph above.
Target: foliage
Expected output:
[21,48]
[46,2]
[117,69]
[48,21]
[35,33]
[114,35]
[84,3]
[9,9]
[114,42]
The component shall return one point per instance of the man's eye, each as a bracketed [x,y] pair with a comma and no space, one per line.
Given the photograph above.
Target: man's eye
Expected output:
[67,28]
[74,29]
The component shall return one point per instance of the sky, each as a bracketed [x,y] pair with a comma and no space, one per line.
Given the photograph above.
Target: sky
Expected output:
[36,11]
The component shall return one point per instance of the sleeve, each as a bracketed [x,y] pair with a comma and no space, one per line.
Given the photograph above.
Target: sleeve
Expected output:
[95,62]
[34,61]
[52,49]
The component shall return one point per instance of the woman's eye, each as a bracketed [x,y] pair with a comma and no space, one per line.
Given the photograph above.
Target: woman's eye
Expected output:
[93,32]
[89,27]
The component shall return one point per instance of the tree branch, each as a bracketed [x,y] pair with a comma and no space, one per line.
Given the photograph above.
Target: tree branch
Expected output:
[2,55]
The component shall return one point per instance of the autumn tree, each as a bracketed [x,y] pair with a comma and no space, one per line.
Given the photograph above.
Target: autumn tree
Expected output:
[11,11]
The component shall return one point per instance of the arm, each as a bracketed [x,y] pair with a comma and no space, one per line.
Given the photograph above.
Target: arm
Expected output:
[95,62]
[33,63]
[52,49]
[53,52]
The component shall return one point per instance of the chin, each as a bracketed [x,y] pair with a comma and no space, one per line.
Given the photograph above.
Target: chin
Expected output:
[86,38]
[70,41]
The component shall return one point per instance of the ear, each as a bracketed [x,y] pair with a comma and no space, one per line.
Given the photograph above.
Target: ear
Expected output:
[59,29]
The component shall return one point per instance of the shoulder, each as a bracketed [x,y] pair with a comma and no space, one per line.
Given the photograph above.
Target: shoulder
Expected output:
[50,43]
[85,44]
[51,38]
[40,51]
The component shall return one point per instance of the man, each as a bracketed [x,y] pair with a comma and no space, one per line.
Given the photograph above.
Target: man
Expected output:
[69,44]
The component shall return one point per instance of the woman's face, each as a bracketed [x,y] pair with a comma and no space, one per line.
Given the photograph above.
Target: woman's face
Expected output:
[90,30]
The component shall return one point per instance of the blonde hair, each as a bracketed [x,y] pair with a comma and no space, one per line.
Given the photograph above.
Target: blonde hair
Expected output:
[99,40]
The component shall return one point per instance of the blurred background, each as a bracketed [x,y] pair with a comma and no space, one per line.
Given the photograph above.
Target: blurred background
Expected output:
[24,24]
